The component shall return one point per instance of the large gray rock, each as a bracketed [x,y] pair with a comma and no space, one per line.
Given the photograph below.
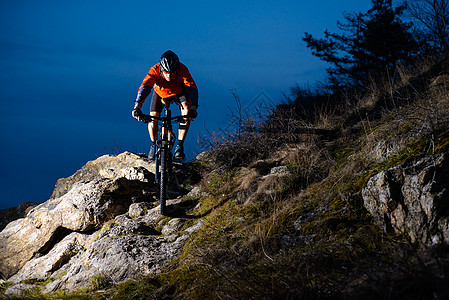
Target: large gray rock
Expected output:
[122,249]
[128,165]
[41,268]
[120,180]
[118,257]
[103,225]
[13,213]
[412,198]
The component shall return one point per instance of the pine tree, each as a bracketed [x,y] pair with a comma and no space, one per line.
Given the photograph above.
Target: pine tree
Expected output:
[372,44]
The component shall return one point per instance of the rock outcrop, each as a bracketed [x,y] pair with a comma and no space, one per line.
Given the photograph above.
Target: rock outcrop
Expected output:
[412,198]
[126,165]
[102,221]
[125,248]
[11,214]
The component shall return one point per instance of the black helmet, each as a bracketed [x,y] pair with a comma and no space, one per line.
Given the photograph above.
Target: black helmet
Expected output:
[169,62]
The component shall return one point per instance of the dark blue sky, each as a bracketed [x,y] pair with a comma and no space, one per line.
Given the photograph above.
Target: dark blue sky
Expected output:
[71,70]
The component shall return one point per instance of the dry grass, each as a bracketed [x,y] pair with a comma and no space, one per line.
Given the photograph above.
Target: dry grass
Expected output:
[349,256]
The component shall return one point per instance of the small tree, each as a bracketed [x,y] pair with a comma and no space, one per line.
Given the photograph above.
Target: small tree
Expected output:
[371,44]
[433,16]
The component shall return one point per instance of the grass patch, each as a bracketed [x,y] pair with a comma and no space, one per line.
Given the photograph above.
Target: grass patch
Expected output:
[4,286]
[100,282]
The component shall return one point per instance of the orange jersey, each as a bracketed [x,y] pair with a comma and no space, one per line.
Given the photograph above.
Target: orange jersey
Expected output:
[165,88]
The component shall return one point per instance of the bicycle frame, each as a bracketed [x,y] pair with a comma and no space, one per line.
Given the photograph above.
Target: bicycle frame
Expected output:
[163,161]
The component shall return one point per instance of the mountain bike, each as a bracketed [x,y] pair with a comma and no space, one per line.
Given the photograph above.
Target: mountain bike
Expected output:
[164,148]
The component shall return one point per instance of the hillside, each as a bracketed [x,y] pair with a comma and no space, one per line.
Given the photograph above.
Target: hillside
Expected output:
[352,202]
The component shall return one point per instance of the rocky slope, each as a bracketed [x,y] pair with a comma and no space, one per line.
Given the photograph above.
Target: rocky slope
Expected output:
[353,207]
[105,228]
[102,221]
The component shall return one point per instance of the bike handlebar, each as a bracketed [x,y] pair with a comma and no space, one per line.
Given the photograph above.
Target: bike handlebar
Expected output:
[149,118]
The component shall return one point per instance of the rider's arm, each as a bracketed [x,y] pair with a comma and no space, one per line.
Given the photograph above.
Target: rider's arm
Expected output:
[142,94]
[146,86]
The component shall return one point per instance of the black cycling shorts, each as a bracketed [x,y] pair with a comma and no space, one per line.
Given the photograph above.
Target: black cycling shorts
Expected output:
[157,105]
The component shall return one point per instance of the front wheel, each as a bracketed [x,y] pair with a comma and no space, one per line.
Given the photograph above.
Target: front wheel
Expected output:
[163,179]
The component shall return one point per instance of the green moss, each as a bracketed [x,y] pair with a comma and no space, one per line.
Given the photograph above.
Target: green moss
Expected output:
[292,184]
[100,282]
[29,281]
[188,223]
[128,290]
[33,292]
[342,154]
[4,286]
[406,127]
[217,180]
[80,294]
[412,151]
[140,288]
[38,282]
[442,142]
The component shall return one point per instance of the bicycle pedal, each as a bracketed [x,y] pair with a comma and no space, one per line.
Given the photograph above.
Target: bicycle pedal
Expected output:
[179,157]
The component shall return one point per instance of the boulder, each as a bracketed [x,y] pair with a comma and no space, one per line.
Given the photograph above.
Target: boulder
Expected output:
[128,165]
[40,268]
[102,225]
[123,249]
[11,214]
[114,183]
[412,198]
[139,209]
[117,258]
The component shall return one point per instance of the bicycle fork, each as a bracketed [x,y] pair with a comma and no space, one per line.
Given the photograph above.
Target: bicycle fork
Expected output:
[164,149]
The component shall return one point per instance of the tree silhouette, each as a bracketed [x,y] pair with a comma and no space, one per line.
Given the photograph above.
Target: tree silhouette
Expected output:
[371,44]
[433,18]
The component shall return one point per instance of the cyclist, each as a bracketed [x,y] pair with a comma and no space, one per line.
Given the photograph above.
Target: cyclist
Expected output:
[172,82]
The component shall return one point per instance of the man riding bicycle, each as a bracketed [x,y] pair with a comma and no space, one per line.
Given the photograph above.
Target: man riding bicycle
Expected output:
[172,82]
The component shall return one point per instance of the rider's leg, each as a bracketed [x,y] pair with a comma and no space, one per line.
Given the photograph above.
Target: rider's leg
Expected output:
[152,126]
[183,127]
[152,129]
[155,111]
[182,131]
